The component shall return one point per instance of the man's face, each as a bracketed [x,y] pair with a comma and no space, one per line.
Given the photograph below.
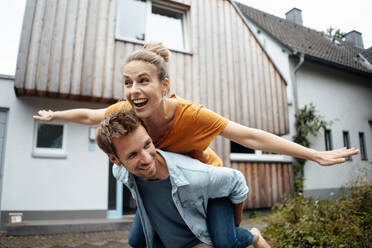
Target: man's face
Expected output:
[137,153]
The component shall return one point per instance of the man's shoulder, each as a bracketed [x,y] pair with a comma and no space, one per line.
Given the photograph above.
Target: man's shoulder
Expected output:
[182,161]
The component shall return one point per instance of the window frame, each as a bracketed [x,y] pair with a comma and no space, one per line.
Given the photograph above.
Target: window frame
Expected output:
[160,4]
[259,156]
[362,145]
[346,137]
[328,143]
[39,152]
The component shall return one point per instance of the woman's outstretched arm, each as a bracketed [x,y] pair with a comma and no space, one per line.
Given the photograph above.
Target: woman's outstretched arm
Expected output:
[261,140]
[82,116]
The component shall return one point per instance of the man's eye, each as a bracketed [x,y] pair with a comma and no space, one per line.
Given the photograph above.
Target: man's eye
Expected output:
[127,82]
[132,155]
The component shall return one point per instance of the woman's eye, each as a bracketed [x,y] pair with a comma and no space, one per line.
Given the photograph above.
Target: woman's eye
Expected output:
[144,80]
[127,82]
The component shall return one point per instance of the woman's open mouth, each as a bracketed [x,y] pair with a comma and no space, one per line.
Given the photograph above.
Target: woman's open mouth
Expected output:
[140,102]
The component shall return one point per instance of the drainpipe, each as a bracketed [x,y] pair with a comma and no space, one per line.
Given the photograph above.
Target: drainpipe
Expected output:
[295,94]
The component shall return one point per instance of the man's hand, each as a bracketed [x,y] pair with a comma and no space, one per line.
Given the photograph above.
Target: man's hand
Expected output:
[238,212]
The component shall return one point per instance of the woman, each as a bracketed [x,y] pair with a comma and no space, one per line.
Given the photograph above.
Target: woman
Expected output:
[181,126]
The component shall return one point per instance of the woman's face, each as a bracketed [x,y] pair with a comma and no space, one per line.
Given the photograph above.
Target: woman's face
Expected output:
[142,88]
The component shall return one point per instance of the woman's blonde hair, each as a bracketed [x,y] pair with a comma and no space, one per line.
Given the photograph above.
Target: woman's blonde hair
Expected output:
[154,53]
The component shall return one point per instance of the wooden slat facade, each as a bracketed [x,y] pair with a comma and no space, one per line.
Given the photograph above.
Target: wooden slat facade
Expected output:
[268,183]
[68,50]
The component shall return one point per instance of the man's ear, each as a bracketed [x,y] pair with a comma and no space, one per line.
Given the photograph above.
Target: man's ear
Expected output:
[114,159]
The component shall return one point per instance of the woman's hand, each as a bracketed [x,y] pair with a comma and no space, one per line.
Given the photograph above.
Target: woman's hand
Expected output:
[44,115]
[337,156]
[82,115]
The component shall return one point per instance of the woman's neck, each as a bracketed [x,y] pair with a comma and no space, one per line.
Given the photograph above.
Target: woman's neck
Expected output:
[161,120]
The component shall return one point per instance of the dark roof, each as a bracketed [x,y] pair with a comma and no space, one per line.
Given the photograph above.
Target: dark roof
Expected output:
[314,44]
[368,54]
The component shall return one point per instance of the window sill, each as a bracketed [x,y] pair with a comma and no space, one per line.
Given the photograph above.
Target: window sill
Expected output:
[243,157]
[49,153]
[144,42]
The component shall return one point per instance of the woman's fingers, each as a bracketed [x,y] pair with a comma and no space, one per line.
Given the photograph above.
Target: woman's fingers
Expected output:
[337,156]
[43,115]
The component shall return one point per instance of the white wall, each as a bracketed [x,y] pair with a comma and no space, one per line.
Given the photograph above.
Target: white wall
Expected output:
[78,182]
[346,100]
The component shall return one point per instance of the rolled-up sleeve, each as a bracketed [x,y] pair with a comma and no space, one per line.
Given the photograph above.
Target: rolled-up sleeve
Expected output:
[227,182]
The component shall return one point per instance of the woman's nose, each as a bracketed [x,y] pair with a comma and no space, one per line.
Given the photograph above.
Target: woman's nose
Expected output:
[132,90]
[136,87]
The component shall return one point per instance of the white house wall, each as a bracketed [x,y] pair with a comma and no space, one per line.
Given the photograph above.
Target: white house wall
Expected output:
[78,182]
[346,100]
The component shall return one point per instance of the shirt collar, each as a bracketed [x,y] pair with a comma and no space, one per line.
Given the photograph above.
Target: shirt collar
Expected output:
[175,173]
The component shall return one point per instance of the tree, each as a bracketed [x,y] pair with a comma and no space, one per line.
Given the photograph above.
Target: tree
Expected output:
[308,122]
[335,34]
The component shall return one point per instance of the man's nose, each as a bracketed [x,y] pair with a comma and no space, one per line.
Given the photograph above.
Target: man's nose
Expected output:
[146,157]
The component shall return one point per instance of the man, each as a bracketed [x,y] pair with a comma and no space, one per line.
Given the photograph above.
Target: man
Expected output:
[171,190]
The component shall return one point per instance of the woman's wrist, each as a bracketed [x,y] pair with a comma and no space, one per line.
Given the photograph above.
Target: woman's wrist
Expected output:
[313,155]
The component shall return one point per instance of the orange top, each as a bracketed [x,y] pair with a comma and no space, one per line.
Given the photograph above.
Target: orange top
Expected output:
[193,129]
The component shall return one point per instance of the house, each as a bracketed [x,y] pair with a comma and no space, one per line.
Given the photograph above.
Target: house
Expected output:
[69,57]
[336,76]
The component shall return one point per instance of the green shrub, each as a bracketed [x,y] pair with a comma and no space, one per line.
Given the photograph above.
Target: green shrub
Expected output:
[345,222]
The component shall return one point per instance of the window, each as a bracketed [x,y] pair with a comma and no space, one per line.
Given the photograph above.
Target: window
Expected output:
[241,153]
[49,140]
[328,140]
[363,151]
[237,148]
[346,138]
[146,20]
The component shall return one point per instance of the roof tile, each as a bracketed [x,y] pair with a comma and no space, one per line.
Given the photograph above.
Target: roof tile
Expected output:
[299,38]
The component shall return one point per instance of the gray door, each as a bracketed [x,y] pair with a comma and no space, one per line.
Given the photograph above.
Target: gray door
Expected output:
[3,121]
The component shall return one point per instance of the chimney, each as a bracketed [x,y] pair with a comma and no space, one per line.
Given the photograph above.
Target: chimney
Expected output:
[294,15]
[354,38]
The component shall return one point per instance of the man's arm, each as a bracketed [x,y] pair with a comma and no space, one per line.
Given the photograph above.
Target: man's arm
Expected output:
[227,182]
[238,213]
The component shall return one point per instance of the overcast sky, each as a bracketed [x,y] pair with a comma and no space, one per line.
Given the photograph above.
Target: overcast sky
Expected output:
[317,14]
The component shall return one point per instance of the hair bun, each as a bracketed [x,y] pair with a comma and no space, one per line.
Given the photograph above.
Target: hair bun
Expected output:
[159,49]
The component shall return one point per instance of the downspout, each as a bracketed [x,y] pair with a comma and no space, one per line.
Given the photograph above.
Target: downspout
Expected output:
[295,92]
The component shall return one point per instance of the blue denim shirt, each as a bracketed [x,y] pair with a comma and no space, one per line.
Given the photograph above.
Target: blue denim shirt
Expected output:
[193,183]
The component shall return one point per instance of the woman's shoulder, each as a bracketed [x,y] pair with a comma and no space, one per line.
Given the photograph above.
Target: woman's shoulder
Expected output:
[117,106]
[185,104]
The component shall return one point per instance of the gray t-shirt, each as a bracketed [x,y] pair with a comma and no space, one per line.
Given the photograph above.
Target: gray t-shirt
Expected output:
[163,214]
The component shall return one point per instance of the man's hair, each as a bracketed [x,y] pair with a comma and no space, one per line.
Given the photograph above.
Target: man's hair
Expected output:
[115,125]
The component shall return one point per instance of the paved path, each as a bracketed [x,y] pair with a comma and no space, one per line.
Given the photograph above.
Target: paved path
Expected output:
[111,239]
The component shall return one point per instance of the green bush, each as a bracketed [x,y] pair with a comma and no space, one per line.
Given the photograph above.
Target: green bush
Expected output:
[344,222]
